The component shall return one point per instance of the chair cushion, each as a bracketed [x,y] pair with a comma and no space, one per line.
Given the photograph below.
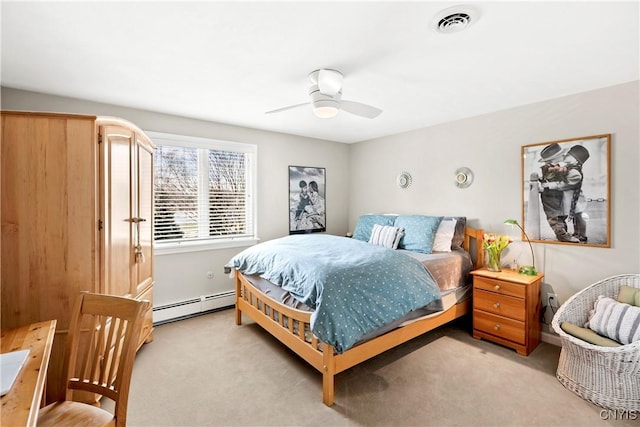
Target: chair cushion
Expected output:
[70,413]
[588,335]
[629,295]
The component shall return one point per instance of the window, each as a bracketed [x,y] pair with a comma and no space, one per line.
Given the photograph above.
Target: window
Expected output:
[204,193]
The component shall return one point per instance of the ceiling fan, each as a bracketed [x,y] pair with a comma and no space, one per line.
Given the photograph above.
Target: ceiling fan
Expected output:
[326,97]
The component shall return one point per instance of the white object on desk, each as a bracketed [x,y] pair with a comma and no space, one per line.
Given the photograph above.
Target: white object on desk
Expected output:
[10,366]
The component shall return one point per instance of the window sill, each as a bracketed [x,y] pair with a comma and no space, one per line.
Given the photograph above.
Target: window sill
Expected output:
[178,248]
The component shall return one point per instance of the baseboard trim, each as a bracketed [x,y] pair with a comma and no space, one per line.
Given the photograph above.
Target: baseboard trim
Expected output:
[192,315]
[188,308]
[551,339]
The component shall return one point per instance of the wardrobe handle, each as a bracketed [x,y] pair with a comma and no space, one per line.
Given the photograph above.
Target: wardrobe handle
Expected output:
[496,305]
[135,220]
[138,254]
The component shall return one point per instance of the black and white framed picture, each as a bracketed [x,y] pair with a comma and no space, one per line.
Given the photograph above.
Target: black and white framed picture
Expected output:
[307,195]
[566,191]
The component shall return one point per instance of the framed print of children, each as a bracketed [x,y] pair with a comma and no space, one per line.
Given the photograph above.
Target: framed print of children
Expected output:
[307,187]
[566,195]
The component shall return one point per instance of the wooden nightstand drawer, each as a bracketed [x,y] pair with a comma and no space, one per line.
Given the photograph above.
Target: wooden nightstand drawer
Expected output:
[499,286]
[499,326]
[502,305]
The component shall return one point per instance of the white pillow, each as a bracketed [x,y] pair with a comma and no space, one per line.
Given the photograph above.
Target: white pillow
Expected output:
[444,235]
[615,320]
[386,235]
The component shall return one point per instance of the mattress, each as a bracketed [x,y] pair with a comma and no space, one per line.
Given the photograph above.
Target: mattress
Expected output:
[450,270]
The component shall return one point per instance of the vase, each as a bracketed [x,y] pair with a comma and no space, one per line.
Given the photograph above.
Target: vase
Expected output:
[494,261]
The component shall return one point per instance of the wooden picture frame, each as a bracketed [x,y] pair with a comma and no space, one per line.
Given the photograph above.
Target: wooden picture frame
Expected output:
[566,188]
[307,196]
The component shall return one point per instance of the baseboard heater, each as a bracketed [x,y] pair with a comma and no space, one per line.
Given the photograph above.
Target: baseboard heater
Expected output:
[186,308]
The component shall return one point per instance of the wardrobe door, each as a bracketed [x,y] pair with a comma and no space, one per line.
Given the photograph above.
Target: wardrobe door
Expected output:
[143,214]
[143,229]
[117,143]
[126,182]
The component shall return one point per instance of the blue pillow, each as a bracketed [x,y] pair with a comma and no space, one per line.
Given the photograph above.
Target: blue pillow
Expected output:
[419,232]
[366,222]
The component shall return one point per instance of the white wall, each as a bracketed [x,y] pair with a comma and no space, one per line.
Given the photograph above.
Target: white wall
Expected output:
[183,276]
[491,146]
[361,178]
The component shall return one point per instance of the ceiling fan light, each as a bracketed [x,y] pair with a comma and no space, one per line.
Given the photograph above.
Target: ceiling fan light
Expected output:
[325,109]
[325,112]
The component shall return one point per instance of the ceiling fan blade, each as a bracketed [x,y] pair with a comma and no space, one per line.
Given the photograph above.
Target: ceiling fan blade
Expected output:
[290,107]
[329,81]
[360,109]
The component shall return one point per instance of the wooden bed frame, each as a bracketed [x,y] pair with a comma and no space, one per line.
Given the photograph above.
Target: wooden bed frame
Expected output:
[293,327]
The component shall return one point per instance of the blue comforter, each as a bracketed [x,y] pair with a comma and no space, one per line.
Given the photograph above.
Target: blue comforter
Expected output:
[355,287]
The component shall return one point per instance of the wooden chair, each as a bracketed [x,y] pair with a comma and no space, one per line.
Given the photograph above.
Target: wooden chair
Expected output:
[111,327]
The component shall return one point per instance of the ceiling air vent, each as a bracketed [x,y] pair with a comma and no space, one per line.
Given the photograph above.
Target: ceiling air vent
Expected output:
[453,23]
[454,19]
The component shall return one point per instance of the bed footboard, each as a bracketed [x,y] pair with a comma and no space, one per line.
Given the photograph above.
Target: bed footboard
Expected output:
[293,327]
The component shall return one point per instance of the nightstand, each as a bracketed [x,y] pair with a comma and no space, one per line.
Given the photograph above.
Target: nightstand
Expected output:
[506,308]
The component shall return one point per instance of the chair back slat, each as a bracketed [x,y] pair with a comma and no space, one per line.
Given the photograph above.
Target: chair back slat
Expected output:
[113,349]
[92,354]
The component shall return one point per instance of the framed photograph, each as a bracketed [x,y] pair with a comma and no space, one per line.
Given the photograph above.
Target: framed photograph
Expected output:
[566,191]
[307,195]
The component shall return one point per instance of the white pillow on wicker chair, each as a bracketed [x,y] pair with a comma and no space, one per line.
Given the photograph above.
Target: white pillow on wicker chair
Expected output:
[615,320]
[386,235]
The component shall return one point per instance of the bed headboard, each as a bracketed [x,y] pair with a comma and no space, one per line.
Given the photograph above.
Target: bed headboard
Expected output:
[473,244]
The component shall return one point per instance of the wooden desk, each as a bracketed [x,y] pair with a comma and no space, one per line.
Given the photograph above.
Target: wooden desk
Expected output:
[21,405]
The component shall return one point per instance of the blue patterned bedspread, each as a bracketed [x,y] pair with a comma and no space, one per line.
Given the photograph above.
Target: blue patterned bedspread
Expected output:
[355,287]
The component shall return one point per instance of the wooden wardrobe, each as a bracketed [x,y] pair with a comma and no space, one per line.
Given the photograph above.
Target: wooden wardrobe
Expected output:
[77,215]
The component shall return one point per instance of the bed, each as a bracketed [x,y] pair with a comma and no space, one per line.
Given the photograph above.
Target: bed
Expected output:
[290,318]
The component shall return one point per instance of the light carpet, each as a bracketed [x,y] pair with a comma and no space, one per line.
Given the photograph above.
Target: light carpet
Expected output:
[206,371]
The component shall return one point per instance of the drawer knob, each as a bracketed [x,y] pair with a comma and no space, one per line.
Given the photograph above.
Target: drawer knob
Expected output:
[496,287]
[496,305]
[497,327]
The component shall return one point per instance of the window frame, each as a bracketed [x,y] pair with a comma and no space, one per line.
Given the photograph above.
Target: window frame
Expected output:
[161,138]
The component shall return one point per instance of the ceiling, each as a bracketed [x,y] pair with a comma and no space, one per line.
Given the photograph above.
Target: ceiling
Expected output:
[230,62]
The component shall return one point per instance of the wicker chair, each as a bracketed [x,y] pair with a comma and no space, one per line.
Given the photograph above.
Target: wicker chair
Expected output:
[606,376]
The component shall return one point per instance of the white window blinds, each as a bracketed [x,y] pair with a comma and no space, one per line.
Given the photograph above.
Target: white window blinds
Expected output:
[203,190]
